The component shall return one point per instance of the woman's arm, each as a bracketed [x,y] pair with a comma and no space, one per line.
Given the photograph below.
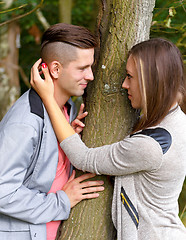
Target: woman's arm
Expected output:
[45,89]
[124,157]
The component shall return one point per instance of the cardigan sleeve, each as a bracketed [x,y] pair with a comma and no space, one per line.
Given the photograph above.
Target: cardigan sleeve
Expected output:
[132,154]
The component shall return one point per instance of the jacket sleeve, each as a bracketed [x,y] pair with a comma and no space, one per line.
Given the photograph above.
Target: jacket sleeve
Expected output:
[17,145]
[132,154]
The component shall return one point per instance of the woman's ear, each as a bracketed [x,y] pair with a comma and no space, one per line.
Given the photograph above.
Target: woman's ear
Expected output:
[54,69]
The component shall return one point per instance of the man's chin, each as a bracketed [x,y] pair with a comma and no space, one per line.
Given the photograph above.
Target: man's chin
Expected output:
[79,94]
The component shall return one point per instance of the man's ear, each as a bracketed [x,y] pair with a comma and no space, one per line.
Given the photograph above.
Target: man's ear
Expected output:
[55,67]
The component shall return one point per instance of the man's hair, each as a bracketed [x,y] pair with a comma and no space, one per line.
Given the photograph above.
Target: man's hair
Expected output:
[60,41]
[160,74]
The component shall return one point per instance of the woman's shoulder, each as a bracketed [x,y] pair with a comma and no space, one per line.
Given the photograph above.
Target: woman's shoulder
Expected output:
[159,134]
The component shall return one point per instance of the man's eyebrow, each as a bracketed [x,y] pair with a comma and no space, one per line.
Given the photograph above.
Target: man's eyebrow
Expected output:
[85,66]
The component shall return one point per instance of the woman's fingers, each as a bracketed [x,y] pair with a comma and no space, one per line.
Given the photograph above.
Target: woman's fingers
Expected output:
[46,72]
[35,71]
[45,88]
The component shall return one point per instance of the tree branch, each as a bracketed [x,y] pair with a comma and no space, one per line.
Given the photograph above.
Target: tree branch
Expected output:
[42,19]
[23,15]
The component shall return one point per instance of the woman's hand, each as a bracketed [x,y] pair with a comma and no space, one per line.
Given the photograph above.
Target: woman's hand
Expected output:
[44,87]
[77,124]
[78,190]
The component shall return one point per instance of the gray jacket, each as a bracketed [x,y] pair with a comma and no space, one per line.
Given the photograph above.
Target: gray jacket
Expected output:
[28,162]
[150,168]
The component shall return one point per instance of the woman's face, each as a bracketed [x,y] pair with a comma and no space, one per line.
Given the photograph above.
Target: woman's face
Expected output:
[132,85]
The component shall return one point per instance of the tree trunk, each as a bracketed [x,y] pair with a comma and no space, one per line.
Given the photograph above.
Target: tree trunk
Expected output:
[121,24]
[65,7]
[9,76]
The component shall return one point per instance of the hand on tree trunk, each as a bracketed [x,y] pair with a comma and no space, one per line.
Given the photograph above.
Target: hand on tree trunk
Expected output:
[78,189]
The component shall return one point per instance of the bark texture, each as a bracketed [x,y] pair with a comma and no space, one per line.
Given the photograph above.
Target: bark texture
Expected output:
[121,24]
[65,7]
[9,69]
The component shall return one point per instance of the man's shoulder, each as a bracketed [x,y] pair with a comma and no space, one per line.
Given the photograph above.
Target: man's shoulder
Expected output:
[28,109]
[35,103]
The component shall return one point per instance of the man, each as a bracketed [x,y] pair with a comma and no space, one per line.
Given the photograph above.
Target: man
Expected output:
[35,193]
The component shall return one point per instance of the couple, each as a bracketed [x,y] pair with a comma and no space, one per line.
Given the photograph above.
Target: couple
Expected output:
[149,165]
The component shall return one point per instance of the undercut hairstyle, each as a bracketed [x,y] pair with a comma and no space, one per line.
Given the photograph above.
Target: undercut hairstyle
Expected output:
[161,79]
[60,42]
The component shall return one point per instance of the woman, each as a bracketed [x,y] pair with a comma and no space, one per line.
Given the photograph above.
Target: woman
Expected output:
[150,164]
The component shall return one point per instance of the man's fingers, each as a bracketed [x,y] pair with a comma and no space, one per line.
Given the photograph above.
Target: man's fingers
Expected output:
[91,183]
[92,189]
[72,176]
[77,190]
[85,176]
[82,114]
[81,108]
[78,123]
[90,196]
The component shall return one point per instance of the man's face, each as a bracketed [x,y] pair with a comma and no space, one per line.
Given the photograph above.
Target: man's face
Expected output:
[74,77]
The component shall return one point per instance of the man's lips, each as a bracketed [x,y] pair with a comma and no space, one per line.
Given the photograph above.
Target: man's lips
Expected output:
[84,85]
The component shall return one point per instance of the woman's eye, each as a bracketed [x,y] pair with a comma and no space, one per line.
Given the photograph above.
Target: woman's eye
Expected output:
[128,76]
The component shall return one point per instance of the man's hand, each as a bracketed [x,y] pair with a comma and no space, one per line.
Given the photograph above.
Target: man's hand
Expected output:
[78,190]
[77,124]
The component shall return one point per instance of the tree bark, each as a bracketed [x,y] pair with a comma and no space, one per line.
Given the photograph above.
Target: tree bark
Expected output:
[121,24]
[9,74]
[65,7]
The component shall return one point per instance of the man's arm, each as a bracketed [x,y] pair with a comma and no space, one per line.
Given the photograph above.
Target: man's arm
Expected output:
[31,205]
[16,200]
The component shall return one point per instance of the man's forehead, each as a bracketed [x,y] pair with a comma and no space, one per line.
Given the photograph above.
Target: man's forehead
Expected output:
[85,51]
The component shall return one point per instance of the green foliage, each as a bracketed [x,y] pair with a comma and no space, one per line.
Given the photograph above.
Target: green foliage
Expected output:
[17,10]
[169,22]
[182,204]
[84,13]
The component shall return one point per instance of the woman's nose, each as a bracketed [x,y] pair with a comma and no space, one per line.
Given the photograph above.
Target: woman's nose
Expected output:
[125,84]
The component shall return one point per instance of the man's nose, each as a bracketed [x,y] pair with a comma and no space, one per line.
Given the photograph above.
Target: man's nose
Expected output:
[89,75]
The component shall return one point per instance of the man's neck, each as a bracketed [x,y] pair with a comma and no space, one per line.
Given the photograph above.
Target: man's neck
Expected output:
[60,97]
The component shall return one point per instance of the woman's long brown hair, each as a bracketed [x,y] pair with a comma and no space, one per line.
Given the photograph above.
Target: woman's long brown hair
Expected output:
[160,74]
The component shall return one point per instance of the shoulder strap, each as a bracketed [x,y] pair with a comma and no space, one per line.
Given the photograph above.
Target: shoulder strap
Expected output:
[161,135]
